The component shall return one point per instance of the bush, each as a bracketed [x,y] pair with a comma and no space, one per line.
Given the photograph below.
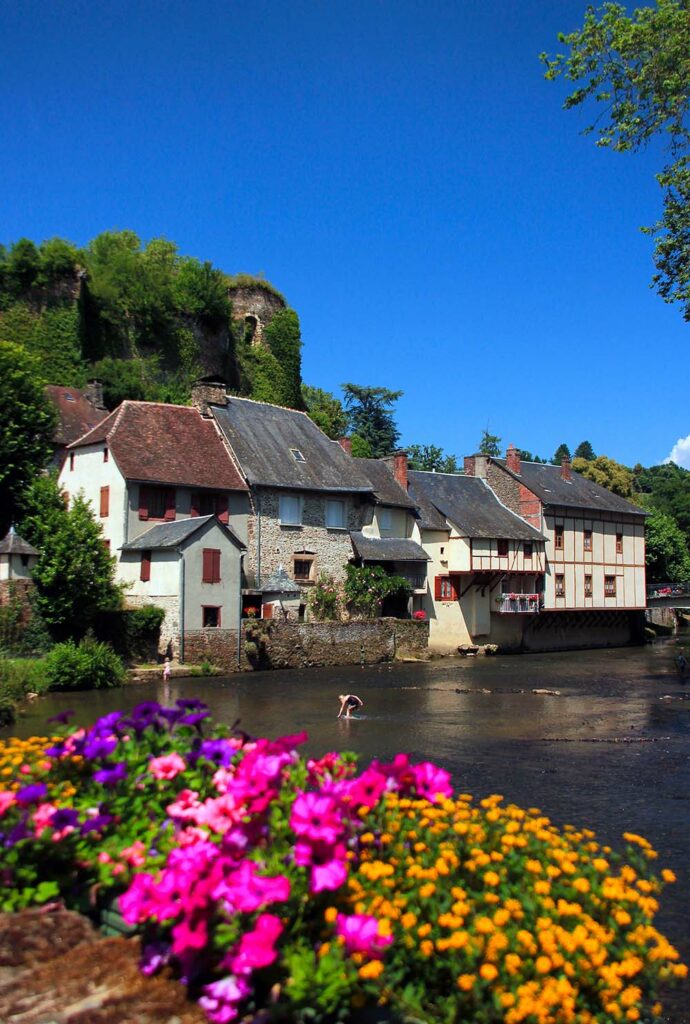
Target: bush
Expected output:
[134,633]
[324,599]
[89,665]
[367,586]
[295,890]
[18,677]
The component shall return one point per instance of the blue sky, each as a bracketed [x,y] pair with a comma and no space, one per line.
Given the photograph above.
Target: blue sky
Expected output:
[399,170]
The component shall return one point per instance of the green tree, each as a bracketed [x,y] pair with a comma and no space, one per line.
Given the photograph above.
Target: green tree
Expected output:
[667,487]
[562,452]
[668,559]
[27,423]
[607,473]
[57,262]
[361,449]
[370,416]
[325,410]
[367,586]
[75,574]
[200,290]
[527,456]
[636,67]
[490,444]
[282,335]
[23,265]
[431,458]
[584,451]
[136,379]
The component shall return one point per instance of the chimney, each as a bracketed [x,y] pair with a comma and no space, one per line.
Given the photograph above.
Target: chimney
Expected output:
[400,468]
[469,465]
[94,393]
[475,465]
[513,459]
[346,444]
[566,471]
[208,391]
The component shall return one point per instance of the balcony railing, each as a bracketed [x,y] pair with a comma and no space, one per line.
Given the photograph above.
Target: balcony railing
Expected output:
[660,590]
[518,604]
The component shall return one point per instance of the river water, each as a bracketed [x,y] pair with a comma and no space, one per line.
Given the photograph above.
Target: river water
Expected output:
[610,750]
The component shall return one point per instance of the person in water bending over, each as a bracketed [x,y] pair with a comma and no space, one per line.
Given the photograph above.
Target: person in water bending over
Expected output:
[348,703]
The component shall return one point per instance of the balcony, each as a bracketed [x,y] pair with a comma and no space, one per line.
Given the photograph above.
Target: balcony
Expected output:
[417,582]
[518,604]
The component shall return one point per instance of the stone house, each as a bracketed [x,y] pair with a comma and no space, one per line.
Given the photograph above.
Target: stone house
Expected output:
[486,564]
[17,561]
[148,469]
[594,585]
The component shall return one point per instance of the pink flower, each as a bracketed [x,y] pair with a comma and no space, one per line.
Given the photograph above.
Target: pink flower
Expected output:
[166,767]
[220,1000]
[42,817]
[431,782]
[247,890]
[328,864]
[6,800]
[186,807]
[366,791]
[361,934]
[316,817]
[256,948]
[220,813]
[135,854]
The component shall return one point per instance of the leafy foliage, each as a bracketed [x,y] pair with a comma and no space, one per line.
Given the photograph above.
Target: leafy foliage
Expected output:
[366,587]
[668,559]
[370,416]
[607,473]
[88,665]
[584,451]
[431,458]
[325,410]
[490,445]
[562,452]
[668,489]
[28,423]
[361,449]
[636,66]
[324,599]
[282,335]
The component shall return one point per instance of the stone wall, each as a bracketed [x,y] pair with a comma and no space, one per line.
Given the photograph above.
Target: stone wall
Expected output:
[569,631]
[169,644]
[17,589]
[273,644]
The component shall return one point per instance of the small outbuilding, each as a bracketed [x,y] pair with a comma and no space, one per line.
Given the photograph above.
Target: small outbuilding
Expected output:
[280,596]
[17,557]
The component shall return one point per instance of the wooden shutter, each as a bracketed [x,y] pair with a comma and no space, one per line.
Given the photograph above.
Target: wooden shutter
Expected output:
[438,580]
[222,510]
[105,502]
[211,565]
[169,503]
[216,566]
[267,611]
[145,574]
[143,502]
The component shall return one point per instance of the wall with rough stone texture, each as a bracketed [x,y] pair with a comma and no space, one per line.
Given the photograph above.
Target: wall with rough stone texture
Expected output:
[274,644]
[569,631]
[11,589]
[169,644]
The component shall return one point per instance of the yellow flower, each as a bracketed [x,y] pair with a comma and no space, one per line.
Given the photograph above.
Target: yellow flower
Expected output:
[581,885]
[427,890]
[488,972]
[371,970]
[330,914]
[465,982]
[408,920]
[668,875]
[543,964]
[426,947]
[491,878]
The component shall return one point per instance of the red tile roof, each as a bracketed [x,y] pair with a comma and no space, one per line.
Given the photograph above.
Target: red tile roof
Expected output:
[75,413]
[166,444]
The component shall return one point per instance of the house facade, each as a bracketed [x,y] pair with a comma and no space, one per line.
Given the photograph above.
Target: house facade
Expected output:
[147,466]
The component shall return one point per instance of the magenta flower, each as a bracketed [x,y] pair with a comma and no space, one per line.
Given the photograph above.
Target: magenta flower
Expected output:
[221,999]
[166,767]
[186,807]
[431,782]
[246,890]
[6,800]
[220,813]
[361,935]
[328,864]
[256,948]
[316,817]
[366,791]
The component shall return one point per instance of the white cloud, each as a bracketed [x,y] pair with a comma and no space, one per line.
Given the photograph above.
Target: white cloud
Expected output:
[680,453]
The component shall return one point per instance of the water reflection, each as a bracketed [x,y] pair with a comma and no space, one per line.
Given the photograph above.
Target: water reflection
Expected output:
[611,751]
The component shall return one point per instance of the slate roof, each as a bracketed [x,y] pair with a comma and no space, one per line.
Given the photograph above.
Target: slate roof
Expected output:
[280,583]
[548,484]
[386,489]
[261,436]
[166,444]
[387,549]
[75,413]
[13,544]
[471,506]
[171,535]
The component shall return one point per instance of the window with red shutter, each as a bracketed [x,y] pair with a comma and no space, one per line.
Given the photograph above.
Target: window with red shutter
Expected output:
[105,502]
[145,572]
[211,565]
[156,502]
[502,548]
[444,589]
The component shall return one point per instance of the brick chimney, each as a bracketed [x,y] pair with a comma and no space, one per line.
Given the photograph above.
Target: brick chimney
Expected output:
[94,393]
[475,465]
[400,468]
[469,465]
[346,444]
[207,392]
[513,459]
[566,471]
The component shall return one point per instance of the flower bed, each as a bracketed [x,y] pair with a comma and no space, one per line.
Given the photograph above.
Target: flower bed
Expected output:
[300,889]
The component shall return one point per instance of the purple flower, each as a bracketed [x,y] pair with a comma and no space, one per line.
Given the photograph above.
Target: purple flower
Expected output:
[97,823]
[32,794]
[107,723]
[64,817]
[154,955]
[98,747]
[221,999]
[62,718]
[111,775]
[221,752]
[192,704]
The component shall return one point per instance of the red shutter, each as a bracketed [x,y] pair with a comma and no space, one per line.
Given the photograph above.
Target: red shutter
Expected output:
[105,502]
[207,568]
[169,503]
[194,511]
[145,574]
[222,509]
[143,502]
[216,566]
[437,587]
[267,611]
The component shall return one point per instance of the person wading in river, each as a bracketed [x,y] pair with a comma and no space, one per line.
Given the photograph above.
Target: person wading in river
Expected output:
[348,703]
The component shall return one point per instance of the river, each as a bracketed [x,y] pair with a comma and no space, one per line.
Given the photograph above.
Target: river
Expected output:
[610,750]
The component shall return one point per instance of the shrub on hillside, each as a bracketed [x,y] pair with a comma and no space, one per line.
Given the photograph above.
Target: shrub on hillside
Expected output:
[88,665]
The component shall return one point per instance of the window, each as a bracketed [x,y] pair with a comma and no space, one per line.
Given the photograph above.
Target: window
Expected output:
[297,455]
[385,520]
[290,510]
[502,548]
[558,538]
[444,589]
[25,558]
[210,503]
[560,585]
[105,502]
[106,454]
[619,543]
[335,515]
[527,549]
[145,569]
[588,586]
[587,540]
[609,586]
[210,616]
[156,502]
[303,568]
[71,462]
[211,565]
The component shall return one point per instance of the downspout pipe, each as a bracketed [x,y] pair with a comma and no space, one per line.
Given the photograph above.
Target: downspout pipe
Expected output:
[181,606]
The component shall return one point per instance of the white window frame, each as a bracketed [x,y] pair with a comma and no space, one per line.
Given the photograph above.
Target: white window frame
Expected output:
[336,505]
[289,514]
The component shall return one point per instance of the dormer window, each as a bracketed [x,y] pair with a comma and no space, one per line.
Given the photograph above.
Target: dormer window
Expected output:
[297,455]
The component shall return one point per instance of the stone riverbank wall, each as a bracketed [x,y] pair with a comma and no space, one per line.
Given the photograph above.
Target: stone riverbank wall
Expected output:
[269,644]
